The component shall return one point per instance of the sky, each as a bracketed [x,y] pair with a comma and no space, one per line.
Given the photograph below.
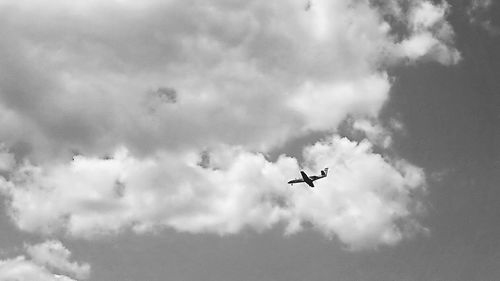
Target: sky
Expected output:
[153,140]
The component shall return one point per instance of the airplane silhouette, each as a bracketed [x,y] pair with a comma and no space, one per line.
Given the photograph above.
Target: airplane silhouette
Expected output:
[309,180]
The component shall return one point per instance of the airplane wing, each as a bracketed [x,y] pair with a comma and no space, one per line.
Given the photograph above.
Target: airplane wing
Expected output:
[306,179]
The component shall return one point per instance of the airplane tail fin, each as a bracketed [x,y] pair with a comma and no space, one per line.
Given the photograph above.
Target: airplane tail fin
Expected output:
[324,172]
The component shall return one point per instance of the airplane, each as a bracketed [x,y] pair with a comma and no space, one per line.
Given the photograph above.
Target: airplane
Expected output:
[309,180]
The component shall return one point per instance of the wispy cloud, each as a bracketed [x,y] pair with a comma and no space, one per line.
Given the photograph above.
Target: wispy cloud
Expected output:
[479,14]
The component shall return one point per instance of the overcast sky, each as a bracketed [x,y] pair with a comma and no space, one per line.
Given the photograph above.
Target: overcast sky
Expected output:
[153,140]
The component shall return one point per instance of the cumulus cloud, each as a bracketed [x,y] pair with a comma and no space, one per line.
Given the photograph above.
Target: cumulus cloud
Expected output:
[241,67]
[431,36]
[170,109]
[51,253]
[366,201]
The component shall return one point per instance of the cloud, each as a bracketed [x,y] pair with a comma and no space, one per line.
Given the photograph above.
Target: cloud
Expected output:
[374,132]
[7,159]
[366,201]
[54,255]
[364,97]
[51,253]
[21,269]
[170,108]
[431,36]
[236,68]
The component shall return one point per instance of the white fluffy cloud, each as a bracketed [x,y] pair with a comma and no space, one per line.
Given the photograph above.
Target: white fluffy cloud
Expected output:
[51,253]
[366,200]
[431,35]
[157,84]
